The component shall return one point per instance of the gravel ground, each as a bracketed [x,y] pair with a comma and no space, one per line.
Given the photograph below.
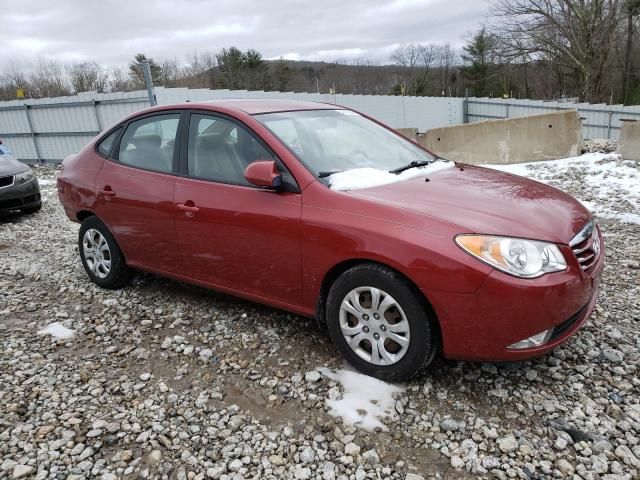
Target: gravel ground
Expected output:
[166,380]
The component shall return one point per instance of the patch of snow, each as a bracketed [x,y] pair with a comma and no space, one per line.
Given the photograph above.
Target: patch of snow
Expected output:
[365,400]
[605,183]
[359,178]
[57,330]
[630,218]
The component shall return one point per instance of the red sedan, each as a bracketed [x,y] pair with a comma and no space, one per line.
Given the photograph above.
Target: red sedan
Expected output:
[324,212]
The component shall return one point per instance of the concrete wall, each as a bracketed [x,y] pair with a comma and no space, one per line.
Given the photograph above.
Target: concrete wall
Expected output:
[410,133]
[599,121]
[629,143]
[538,137]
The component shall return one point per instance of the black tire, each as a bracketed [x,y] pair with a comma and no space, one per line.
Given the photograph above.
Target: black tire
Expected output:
[424,333]
[119,273]
[34,209]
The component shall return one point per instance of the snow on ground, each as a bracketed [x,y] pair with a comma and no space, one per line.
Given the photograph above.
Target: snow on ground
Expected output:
[606,184]
[57,330]
[359,178]
[365,400]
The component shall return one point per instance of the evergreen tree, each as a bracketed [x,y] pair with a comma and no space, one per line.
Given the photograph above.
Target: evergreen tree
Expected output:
[136,71]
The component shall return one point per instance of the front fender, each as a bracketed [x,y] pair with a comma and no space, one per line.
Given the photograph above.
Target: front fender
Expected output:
[428,256]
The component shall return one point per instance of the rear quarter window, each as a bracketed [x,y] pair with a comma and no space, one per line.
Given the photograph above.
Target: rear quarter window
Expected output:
[106,144]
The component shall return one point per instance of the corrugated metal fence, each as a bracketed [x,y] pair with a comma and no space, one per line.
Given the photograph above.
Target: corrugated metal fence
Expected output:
[49,129]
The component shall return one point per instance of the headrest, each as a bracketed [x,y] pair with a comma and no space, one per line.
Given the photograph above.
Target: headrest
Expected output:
[146,141]
[211,140]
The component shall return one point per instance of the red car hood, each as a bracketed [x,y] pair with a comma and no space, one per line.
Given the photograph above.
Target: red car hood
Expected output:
[487,201]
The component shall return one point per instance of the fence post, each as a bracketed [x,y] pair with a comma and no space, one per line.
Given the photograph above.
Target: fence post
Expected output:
[465,106]
[95,111]
[148,81]
[33,134]
[609,124]
[507,104]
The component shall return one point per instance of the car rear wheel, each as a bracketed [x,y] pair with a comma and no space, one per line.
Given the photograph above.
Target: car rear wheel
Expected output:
[380,324]
[101,257]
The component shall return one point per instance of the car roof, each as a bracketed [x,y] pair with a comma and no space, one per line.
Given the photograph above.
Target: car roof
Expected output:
[253,106]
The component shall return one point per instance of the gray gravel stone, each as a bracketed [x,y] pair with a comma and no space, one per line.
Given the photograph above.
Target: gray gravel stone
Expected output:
[22,471]
[312,376]
[164,380]
[507,444]
[307,455]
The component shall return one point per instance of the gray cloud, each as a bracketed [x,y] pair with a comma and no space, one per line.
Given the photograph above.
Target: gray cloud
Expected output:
[112,31]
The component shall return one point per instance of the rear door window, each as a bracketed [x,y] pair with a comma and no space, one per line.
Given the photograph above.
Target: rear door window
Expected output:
[149,143]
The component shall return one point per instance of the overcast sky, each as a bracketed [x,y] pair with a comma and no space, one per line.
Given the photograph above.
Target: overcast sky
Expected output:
[112,31]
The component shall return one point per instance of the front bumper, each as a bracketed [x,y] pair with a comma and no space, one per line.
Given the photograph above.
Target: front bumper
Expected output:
[19,196]
[505,310]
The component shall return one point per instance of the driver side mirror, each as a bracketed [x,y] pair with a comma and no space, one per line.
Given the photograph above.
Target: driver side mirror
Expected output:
[264,173]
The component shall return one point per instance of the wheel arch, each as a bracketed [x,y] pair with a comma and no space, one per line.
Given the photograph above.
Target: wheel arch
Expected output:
[82,215]
[332,275]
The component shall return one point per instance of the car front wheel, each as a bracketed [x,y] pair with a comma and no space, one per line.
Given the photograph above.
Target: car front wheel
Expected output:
[101,256]
[33,209]
[380,324]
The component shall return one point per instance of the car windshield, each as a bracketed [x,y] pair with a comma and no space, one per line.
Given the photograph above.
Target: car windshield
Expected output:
[331,141]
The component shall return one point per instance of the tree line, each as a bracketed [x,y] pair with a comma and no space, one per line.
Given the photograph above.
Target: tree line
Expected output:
[586,50]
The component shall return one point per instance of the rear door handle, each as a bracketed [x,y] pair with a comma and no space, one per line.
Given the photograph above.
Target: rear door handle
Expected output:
[188,207]
[107,192]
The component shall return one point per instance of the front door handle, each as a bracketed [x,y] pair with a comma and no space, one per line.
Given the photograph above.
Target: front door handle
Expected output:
[107,192]
[188,207]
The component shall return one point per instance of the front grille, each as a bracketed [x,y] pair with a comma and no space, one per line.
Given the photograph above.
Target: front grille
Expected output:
[6,181]
[586,245]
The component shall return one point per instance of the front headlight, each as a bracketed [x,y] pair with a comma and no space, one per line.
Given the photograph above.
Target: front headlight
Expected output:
[516,256]
[24,177]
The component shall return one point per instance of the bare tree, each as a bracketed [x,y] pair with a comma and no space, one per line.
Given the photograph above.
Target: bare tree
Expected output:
[631,12]
[445,60]
[49,79]
[576,34]
[88,77]
[416,60]
[199,71]
[169,73]
[120,81]
[14,78]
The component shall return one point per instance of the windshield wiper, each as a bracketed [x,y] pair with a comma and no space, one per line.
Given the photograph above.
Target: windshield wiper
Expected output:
[414,164]
[328,174]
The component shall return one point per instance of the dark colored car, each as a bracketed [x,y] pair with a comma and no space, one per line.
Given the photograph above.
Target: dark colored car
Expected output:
[324,212]
[19,189]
